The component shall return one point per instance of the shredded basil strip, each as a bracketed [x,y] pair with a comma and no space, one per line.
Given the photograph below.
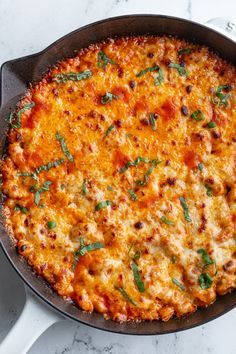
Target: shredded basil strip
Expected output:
[173,259]
[102,205]
[84,186]
[159,78]
[137,255]
[223,98]
[38,192]
[61,78]
[185,209]
[110,188]
[93,246]
[132,194]
[64,147]
[208,189]
[147,174]
[48,166]
[176,282]
[108,97]
[14,118]
[166,221]
[125,295]
[197,115]
[103,60]
[149,69]
[184,51]
[136,162]
[181,70]
[41,168]
[76,254]
[205,281]
[28,174]
[205,257]
[110,129]
[21,208]
[137,277]
[200,167]
[152,121]
[211,125]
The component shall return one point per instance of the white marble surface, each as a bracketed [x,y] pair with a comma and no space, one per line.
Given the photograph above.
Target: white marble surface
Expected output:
[28,26]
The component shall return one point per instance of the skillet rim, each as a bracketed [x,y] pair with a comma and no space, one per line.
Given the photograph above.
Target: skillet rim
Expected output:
[8,247]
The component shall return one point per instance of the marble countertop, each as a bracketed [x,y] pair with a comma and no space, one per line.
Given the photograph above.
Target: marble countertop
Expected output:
[27,27]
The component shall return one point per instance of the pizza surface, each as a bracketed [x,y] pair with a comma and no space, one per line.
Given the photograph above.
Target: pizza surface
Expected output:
[119,179]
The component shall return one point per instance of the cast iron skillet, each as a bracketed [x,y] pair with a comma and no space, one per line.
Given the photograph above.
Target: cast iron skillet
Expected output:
[15,77]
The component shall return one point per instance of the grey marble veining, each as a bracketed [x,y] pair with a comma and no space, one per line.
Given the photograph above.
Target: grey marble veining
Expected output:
[27,27]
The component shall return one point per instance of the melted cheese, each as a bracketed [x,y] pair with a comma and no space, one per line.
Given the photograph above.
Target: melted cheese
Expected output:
[180,143]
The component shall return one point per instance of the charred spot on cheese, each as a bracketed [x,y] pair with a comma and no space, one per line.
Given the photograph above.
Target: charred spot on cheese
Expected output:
[62,78]
[139,225]
[14,118]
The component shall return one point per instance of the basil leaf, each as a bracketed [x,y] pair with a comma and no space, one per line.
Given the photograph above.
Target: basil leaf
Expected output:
[137,277]
[197,115]
[149,69]
[152,121]
[109,129]
[136,162]
[108,97]
[185,209]
[132,194]
[28,174]
[84,186]
[103,60]
[205,281]
[64,147]
[159,78]
[125,295]
[184,51]
[200,167]
[14,118]
[48,166]
[38,192]
[180,285]
[144,182]
[93,246]
[223,98]
[166,221]
[51,224]
[102,205]
[208,189]
[205,257]
[61,78]
[23,209]
[181,70]
[211,125]
[137,255]
[109,188]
